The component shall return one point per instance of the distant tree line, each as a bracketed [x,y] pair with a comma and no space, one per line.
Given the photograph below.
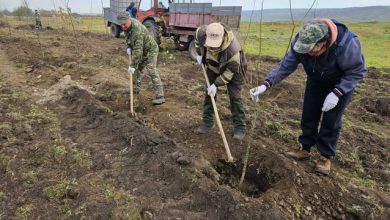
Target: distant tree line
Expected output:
[23,11]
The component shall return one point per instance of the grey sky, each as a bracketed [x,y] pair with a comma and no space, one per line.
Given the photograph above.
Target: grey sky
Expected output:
[95,6]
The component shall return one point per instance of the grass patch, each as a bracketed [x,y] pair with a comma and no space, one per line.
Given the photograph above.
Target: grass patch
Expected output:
[275,36]
[82,157]
[65,189]
[30,177]
[298,209]
[23,212]
[125,202]
[59,152]
[37,114]
[4,159]
[3,196]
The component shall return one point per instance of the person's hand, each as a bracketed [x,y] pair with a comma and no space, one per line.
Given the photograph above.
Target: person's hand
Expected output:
[128,51]
[212,90]
[199,59]
[330,102]
[256,92]
[131,70]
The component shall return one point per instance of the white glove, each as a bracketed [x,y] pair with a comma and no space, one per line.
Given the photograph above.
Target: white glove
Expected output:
[256,92]
[131,70]
[212,90]
[330,102]
[199,59]
[128,51]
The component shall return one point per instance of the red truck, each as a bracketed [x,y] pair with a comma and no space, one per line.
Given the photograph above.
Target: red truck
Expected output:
[169,18]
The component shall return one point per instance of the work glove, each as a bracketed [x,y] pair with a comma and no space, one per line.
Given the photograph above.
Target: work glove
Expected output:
[131,70]
[128,51]
[330,102]
[256,92]
[199,59]
[212,90]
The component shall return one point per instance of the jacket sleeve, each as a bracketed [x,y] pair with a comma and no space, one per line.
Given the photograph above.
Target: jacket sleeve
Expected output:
[199,42]
[351,61]
[232,67]
[127,45]
[287,66]
[137,51]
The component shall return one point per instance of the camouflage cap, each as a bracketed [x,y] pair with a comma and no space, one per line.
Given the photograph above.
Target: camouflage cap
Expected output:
[122,17]
[309,35]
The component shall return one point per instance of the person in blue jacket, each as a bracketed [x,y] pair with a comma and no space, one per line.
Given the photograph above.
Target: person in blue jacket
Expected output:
[132,10]
[333,61]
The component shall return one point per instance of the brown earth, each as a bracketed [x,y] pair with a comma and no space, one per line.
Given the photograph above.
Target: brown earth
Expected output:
[70,151]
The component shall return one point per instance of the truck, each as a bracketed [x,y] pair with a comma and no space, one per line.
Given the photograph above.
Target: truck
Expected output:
[177,19]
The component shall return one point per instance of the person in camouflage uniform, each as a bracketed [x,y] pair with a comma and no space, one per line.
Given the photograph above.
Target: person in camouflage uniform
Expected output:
[38,23]
[219,50]
[144,51]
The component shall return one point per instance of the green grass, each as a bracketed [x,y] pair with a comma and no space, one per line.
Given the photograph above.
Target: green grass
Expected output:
[275,36]
[374,38]
[56,193]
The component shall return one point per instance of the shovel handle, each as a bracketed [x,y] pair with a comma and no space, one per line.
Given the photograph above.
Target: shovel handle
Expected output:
[131,91]
[225,143]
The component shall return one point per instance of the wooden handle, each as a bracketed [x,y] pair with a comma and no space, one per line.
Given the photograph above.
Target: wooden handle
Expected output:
[131,91]
[131,95]
[225,143]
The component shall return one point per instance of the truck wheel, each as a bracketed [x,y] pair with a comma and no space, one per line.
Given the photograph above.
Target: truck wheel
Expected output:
[115,30]
[180,45]
[192,50]
[154,30]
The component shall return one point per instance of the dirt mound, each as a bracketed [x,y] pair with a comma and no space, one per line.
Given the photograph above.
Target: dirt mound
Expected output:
[25,27]
[380,106]
[121,146]
[55,93]
[3,24]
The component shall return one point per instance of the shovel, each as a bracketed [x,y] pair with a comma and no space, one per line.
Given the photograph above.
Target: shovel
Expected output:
[225,143]
[132,114]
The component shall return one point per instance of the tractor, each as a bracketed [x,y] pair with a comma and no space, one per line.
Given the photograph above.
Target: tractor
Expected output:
[170,18]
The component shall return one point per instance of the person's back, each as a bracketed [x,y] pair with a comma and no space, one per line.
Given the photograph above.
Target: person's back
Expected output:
[139,39]
[132,10]
[38,23]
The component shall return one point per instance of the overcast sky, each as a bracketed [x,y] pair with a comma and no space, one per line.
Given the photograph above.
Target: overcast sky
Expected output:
[95,6]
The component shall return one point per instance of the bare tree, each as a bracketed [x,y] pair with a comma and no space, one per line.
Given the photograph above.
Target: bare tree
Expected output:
[70,19]
[105,27]
[25,4]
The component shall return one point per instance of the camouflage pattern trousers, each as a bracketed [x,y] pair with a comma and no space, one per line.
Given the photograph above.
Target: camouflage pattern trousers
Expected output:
[150,65]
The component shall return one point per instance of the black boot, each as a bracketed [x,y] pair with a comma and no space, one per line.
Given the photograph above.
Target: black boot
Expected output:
[203,128]
[238,115]
[208,116]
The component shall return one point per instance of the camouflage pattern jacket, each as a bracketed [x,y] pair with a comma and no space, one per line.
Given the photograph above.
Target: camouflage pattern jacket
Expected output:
[140,42]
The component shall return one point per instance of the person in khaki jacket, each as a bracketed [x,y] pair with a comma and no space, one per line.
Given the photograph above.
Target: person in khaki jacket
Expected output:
[219,50]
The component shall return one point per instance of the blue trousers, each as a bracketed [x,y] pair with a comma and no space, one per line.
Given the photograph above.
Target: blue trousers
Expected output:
[326,137]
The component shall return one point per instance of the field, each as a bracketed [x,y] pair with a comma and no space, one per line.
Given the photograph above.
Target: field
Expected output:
[69,150]
[374,36]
